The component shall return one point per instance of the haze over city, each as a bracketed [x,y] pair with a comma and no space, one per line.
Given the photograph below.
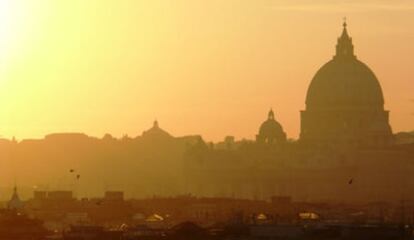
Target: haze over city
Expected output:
[206,120]
[212,68]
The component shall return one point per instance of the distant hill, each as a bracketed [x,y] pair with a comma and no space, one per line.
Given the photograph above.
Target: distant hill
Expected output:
[146,165]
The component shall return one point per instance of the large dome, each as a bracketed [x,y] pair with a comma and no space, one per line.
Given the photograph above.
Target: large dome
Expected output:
[344,81]
[344,103]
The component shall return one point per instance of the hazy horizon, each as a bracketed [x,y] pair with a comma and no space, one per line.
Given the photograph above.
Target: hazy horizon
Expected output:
[215,75]
[212,120]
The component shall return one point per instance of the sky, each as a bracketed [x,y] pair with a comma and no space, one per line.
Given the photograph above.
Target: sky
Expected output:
[213,67]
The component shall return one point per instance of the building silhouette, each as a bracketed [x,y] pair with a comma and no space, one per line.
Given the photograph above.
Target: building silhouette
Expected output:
[346,150]
[345,103]
[271,132]
[15,203]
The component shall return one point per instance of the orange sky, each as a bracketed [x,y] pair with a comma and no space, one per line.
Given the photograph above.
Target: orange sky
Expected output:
[200,67]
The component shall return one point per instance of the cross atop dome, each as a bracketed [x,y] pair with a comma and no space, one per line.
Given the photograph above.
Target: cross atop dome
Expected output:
[344,47]
[344,30]
[271,115]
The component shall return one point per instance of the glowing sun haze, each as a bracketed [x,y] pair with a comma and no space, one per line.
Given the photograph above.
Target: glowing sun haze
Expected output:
[199,67]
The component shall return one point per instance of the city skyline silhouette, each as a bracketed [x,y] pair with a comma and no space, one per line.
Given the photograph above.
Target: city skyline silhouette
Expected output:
[206,120]
[344,120]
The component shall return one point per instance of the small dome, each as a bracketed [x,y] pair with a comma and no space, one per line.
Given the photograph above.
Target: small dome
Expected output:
[156,132]
[271,130]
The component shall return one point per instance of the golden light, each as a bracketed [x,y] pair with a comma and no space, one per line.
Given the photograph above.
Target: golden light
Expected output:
[16,31]
[12,18]
[6,24]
